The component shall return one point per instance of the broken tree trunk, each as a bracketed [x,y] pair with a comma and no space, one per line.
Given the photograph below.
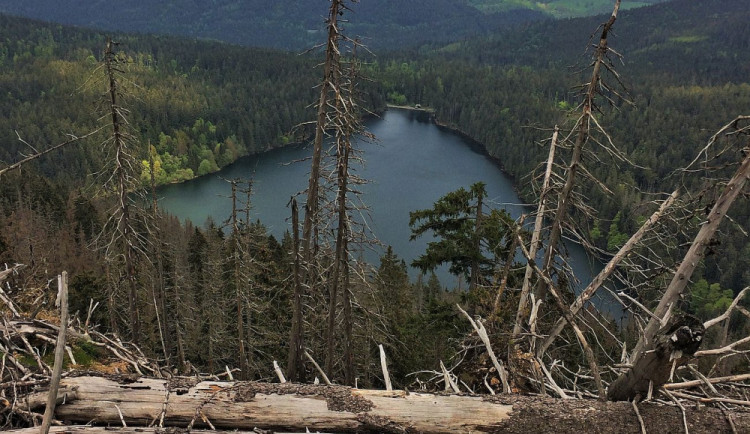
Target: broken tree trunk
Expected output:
[694,255]
[675,344]
[295,407]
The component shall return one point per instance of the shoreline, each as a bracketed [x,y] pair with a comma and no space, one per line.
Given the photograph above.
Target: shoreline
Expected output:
[471,141]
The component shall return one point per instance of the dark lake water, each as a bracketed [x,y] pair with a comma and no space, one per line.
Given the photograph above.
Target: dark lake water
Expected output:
[412,164]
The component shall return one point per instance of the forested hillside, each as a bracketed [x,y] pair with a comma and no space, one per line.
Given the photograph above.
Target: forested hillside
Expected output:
[293,25]
[201,105]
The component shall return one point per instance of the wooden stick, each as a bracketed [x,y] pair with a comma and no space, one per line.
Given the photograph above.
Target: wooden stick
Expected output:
[727,312]
[535,239]
[317,366]
[449,383]
[62,301]
[716,380]
[638,415]
[279,373]
[46,151]
[384,366]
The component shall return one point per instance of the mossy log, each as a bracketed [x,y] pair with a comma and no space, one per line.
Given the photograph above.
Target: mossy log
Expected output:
[178,403]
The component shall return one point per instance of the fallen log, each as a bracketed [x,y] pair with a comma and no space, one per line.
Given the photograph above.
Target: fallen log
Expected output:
[181,402]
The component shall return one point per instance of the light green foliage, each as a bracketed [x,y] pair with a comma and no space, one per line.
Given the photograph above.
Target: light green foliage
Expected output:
[396,98]
[687,39]
[199,151]
[615,238]
[556,8]
[709,300]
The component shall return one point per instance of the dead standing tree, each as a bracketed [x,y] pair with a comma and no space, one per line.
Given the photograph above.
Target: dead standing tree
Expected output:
[121,237]
[346,125]
[585,130]
[309,228]
[582,132]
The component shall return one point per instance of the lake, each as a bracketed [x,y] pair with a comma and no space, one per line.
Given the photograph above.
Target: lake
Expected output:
[410,166]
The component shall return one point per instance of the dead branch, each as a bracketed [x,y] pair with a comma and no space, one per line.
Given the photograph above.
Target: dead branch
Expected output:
[607,271]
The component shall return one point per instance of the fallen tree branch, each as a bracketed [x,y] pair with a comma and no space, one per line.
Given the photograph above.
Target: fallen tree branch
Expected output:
[716,380]
[62,301]
[728,311]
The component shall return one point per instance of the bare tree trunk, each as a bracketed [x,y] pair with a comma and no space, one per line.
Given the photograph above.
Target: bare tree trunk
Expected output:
[311,205]
[159,303]
[674,345]
[238,286]
[536,240]
[575,160]
[62,300]
[341,236]
[349,373]
[693,256]
[295,369]
[477,243]
[294,407]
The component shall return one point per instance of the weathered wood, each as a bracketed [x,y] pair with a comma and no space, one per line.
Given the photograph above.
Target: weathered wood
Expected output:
[295,408]
[62,300]
[536,237]
[675,344]
[271,406]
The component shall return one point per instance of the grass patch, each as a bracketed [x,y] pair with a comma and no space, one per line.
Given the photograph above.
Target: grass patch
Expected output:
[688,39]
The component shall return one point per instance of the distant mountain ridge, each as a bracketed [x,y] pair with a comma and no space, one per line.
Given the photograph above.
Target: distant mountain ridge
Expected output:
[296,24]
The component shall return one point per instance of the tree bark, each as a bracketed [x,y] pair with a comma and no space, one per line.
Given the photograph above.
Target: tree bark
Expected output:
[294,368]
[295,407]
[675,344]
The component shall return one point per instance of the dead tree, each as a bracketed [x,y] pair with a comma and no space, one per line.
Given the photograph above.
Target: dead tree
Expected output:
[121,238]
[536,239]
[312,204]
[582,131]
[346,124]
[295,369]
[330,70]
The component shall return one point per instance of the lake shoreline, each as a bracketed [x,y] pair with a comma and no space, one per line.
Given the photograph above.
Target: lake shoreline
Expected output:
[472,142]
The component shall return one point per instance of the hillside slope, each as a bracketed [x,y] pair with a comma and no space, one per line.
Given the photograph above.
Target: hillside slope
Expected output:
[294,24]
